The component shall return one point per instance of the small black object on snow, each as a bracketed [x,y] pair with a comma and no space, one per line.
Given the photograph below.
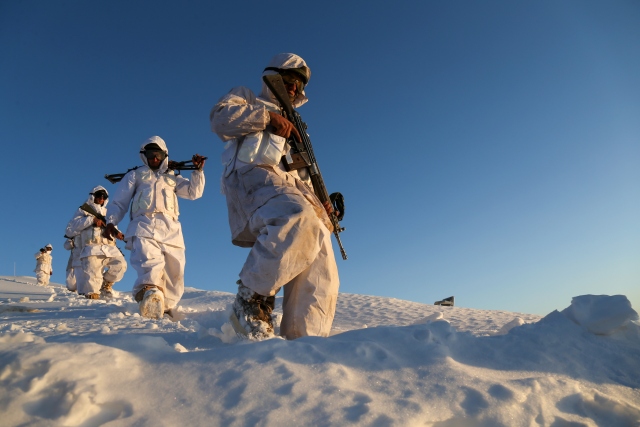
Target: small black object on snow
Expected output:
[446,302]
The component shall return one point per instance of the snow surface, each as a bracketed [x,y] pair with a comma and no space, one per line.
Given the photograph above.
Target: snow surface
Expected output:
[67,361]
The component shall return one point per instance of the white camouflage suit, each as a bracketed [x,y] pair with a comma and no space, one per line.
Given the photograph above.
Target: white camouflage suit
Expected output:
[276,212]
[154,234]
[74,265]
[43,267]
[97,253]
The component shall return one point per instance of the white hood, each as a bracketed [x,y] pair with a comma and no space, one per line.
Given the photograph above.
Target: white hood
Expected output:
[160,142]
[90,201]
[285,61]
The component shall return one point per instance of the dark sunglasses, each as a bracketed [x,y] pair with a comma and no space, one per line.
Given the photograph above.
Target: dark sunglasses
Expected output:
[292,79]
[155,154]
[100,195]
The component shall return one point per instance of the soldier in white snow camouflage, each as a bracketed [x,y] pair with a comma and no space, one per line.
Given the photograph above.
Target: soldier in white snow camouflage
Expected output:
[43,268]
[275,213]
[102,262]
[154,234]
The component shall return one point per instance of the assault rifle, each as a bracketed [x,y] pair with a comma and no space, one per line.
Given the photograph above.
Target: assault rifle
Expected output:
[89,209]
[186,165]
[303,157]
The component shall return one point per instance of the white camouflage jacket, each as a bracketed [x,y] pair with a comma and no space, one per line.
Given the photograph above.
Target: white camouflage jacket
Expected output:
[240,118]
[90,239]
[43,262]
[153,198]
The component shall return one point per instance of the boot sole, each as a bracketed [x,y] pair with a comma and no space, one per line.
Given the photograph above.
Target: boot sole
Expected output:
[152,307]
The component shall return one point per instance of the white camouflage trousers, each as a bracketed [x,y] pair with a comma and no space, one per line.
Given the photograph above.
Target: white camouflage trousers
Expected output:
[93,269]
[293,249]
[71,279]
[43,278]
[160,265]
[76,279]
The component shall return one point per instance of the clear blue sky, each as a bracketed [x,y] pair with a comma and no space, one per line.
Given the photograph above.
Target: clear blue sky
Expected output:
[487,150]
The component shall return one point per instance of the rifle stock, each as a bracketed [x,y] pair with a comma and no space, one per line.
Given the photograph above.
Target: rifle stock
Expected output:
[302,155]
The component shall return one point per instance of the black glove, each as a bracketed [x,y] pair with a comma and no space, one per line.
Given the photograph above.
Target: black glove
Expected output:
[198,161]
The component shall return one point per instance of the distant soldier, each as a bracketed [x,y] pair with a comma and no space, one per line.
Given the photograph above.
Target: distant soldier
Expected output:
[102,262]
[43,265]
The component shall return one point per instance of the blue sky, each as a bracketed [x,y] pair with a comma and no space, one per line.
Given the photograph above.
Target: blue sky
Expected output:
[487,150]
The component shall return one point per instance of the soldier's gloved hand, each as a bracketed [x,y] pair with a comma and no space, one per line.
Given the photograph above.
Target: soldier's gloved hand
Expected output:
[283,127]
[109,231]
[328,207]
[198,161]
[98,222]
[51,273]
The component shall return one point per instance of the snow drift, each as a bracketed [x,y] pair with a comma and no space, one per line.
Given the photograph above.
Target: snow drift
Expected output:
[69,361]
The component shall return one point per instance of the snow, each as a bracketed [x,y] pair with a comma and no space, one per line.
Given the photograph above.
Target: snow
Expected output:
[67,361]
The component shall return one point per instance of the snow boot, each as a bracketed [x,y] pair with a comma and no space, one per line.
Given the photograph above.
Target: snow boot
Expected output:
[251,315]
[92,295]
[106,291]
[152,302]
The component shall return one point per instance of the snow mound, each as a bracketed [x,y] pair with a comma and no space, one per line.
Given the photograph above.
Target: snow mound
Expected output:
[601,314]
